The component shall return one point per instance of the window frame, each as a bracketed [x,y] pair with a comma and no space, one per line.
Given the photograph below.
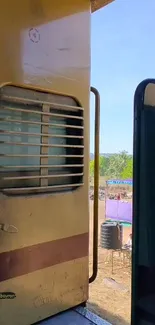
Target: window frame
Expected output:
[46,107]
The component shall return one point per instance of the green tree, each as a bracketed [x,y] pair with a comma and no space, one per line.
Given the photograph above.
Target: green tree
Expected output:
[128,170]
[115,166]
[117,163]
[91,168]
[103,165]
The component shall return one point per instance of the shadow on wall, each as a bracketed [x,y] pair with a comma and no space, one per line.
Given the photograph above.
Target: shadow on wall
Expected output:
[106,315]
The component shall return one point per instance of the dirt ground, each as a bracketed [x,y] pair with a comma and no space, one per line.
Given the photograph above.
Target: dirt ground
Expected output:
[106,300]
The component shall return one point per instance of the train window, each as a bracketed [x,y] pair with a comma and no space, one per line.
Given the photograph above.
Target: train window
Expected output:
[41,142]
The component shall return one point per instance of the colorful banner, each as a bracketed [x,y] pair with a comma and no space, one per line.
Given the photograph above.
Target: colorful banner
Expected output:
[119,182]
[118,210]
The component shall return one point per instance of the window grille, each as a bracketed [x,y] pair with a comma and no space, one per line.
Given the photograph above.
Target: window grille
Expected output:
[41,142]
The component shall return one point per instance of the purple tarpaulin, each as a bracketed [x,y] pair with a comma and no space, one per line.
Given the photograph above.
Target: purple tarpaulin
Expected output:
[119,210]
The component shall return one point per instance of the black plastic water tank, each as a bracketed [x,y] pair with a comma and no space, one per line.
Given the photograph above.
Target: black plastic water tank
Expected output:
[111,235]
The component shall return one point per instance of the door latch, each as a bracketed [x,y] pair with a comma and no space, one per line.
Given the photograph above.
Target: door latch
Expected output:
[8,228]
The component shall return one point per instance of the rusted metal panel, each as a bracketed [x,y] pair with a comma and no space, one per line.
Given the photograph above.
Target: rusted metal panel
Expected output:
[43,47]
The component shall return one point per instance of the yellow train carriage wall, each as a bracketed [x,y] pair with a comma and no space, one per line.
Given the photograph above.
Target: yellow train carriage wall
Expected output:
[44,154]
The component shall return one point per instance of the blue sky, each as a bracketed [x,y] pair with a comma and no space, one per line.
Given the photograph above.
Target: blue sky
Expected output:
[122,54]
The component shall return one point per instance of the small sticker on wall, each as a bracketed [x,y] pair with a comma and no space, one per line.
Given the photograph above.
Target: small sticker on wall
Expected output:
[7,295]
[34,35]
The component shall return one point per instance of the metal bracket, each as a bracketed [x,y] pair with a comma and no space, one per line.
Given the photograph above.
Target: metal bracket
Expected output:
[96,184]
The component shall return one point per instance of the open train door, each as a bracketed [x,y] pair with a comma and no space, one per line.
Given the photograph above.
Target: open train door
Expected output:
[143,275]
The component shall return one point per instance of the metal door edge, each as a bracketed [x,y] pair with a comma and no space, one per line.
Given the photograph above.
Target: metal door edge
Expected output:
[96,320]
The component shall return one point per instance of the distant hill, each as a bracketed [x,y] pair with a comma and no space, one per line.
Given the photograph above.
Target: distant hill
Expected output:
[107,155]
[91,156]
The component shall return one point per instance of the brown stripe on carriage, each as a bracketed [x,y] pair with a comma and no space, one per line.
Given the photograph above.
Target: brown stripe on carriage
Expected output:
[36,257]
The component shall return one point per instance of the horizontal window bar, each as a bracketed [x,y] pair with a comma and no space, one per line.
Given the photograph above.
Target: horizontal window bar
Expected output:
[40,177]
[42,166]
[50,135]
[42,156]
[38,188]
[40,144]
[56,125]
[40,102]
[28,111]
